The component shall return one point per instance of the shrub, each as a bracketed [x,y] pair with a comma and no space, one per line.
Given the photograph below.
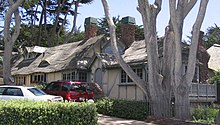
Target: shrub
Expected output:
[123,108]
[25,112]
[204,114]
[41,86]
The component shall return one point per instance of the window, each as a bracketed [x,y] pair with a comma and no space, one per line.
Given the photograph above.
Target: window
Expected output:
[38,77]
[13,92]
[65,87]
[108,49]
[53,87]
[82,76]
[69,76]
[36,91]
[20,80]
[126,79]
[2,89]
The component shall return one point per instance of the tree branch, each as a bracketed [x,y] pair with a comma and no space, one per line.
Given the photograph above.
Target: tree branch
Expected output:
[188,7]
[139,82]
[195,37]
[17,26]
[8,15]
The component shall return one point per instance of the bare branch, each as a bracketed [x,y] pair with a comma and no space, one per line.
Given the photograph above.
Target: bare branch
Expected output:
[158,4]
[188,7]
[17,26]
[195,37]
[11,10]
[139,82]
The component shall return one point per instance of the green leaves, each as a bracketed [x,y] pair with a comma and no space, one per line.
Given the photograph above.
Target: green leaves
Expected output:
[215,78]
[123,108]
[212,36]
[204,114]
[25,112]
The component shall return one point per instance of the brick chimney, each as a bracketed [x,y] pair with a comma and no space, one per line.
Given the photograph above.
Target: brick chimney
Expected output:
[128,30]
[90,27]
[203,58]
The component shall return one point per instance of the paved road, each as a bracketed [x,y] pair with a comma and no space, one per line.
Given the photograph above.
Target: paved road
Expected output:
[107,120]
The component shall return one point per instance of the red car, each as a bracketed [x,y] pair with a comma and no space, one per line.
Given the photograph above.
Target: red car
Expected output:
[71,91]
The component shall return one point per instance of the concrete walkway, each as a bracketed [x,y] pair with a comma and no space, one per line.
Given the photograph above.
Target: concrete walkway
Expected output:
[107,120]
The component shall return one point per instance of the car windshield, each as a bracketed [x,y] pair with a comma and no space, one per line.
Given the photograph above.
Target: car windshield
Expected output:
[36,91]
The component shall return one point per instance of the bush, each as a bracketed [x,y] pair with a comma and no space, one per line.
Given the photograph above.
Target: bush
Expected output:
[41,86]
[123,108]
[25,112]
[204,114]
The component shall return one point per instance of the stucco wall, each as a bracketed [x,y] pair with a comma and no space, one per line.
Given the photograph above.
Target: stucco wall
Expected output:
[28,80]
[54,76]
[114,89]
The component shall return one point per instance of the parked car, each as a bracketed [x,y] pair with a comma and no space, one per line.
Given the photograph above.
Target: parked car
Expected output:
[71,91]
[22,92]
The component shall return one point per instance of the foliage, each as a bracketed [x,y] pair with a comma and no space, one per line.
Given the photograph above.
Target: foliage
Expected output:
[23,112]
[215,78]
[77,37]
[41,85]
[123,108]
[103,28]
[212,36]
[204,114]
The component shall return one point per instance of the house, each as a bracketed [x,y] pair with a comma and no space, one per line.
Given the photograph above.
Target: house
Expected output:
[214,63]
[91,60]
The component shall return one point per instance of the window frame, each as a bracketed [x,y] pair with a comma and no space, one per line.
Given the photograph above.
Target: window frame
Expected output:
[125,79]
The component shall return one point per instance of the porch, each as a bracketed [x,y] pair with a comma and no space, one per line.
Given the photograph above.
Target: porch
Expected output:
[203,92]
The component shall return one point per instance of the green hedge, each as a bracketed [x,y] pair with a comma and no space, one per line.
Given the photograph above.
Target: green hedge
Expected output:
[123,108]
[25,112]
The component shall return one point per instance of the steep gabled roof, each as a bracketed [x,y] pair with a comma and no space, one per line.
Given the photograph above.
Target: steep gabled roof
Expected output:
[135,54]
[57,58]
[214,61]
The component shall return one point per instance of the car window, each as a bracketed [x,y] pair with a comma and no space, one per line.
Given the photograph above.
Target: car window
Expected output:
[2,89]
[53,87]
[36,91]
[78,88]
[13,92]
[65,87]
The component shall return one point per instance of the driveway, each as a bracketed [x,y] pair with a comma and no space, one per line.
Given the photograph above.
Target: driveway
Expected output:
[107,120]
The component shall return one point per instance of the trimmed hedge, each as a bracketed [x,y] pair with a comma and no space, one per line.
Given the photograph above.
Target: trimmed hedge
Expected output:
[123,108]
[23,112]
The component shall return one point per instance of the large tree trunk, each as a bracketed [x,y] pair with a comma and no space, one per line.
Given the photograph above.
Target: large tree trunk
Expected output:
[9,40]
[167,85]
[159,90]
[183,81]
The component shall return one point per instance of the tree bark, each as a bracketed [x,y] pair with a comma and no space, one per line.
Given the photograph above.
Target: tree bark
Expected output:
[140,83]
[9,40]
[167,85]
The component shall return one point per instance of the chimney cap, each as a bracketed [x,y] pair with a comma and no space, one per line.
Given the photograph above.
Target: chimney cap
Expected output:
[128,20]
[90,20]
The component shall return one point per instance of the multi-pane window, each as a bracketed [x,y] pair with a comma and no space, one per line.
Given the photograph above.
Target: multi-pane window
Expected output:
[126,79]
[38,77]
[80,76]
[20,80]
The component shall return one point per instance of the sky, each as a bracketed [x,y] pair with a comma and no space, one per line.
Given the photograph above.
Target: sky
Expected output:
[125,8]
